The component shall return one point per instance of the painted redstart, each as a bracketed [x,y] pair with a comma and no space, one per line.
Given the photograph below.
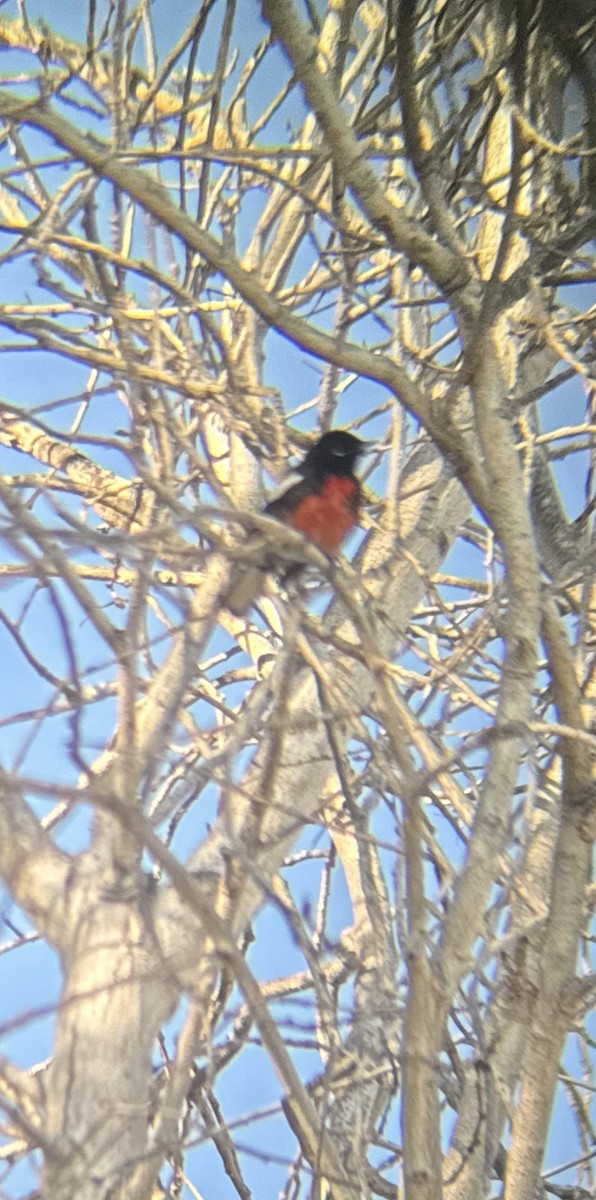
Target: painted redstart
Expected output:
[323,504]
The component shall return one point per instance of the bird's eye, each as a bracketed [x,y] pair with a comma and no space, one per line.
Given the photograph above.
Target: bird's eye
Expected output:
[339,453]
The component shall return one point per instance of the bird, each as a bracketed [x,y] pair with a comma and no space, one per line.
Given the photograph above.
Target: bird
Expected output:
[323,504]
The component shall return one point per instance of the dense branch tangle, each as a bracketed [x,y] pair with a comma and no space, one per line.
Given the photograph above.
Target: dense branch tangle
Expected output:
[390,789]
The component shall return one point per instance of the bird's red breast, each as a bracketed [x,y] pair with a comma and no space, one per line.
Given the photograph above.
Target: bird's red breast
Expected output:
[325,516]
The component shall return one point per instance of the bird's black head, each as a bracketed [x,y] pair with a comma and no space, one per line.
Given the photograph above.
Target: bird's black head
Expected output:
[335,453]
